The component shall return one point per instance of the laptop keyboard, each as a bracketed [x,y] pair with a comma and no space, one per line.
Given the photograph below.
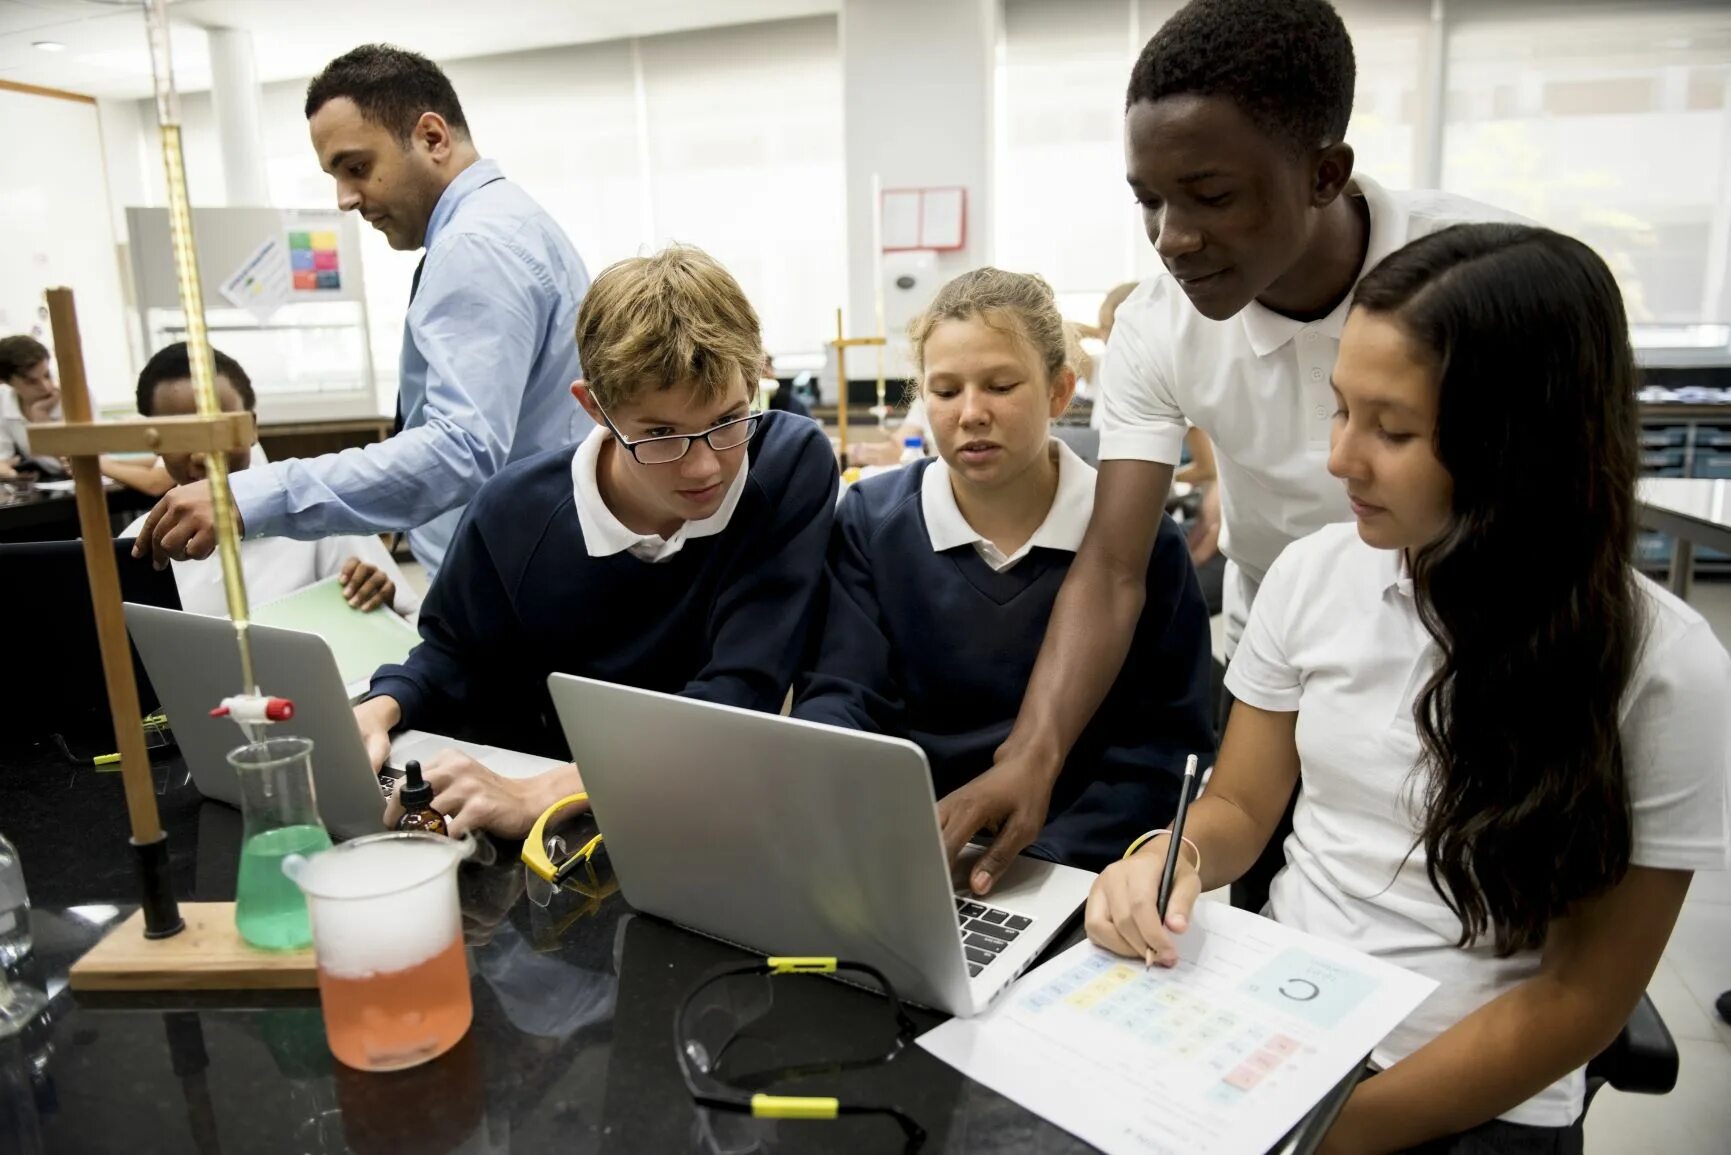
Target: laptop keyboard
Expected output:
[986,931]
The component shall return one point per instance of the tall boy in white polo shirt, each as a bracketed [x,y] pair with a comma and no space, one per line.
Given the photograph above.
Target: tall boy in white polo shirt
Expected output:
[1234,147]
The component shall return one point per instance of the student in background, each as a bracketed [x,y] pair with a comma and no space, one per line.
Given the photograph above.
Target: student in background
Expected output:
[1198,469]
[1234,145]
[942,576]
[782,398]
[1507,784]
[679,547]
[487,349]
[274,566]
[28,396]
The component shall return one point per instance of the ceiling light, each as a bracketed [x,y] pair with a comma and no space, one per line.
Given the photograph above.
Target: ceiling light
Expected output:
[49,45]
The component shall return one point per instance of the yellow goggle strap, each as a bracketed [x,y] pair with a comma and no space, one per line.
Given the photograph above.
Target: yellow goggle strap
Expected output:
[795,965]
[535,846]
[794,1107]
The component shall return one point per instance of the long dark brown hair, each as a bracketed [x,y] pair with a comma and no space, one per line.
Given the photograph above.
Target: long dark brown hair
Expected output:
[1528,593]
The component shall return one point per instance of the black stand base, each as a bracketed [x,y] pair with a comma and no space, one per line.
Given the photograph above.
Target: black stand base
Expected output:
[161,913]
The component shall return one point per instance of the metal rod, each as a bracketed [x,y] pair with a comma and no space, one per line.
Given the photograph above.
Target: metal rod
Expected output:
[197,337]
[841,387]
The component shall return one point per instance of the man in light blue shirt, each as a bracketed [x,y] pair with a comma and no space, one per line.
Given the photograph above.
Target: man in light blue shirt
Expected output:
[489,343]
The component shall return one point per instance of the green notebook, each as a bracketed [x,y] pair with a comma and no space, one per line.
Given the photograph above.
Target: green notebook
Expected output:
[360,642]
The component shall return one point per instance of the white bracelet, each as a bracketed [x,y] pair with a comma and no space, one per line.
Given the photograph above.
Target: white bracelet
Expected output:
[1153,834]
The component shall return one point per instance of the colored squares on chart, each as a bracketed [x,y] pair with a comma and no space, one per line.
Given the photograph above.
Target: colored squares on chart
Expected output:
[314,261]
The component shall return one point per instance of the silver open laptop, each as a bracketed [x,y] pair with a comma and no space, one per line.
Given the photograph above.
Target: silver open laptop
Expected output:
[794,838]
[193,663]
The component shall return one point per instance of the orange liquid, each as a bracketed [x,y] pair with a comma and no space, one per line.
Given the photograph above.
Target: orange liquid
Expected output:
[396,1019]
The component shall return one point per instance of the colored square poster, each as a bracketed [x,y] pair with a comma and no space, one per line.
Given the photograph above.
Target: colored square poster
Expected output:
[314,259]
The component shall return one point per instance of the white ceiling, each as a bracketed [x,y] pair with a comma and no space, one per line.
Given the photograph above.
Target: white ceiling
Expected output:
[106,55]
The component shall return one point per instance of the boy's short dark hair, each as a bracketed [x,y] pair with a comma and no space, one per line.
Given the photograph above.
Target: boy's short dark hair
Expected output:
[391,86]
[18,354]
[171,363]
[1287,64]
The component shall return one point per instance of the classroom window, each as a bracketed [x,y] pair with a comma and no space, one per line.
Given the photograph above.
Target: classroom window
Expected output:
[1608,122]
[1606,119]
[729,138]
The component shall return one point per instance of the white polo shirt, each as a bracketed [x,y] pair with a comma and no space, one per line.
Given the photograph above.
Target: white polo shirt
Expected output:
[1064,526]
[1257,384]
[275,567]
[605,535]
[1335,635]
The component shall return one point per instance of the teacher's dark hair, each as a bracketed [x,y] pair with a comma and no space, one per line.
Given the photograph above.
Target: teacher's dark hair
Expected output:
[1528,593]
[391,86]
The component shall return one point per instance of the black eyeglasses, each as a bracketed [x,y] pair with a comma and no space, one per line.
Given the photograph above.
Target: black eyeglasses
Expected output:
[715,1015]
[666,450]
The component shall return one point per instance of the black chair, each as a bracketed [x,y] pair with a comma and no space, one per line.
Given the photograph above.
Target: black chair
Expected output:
[1641,1060]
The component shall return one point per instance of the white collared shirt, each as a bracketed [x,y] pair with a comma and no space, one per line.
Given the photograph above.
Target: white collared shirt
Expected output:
[1335,636]
[275,567]
[14,435]
[605,535]
[1258,385]
[1063,528]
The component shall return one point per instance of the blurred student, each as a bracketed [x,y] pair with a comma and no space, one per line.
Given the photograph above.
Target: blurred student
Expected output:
[942,577]
[1507,780]
[273,566]
[28,396]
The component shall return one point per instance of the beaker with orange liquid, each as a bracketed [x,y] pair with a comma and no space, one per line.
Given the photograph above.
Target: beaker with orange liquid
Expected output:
[388,934]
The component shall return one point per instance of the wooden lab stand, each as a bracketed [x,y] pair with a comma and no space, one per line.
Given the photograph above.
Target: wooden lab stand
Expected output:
[841,345]
[157,948]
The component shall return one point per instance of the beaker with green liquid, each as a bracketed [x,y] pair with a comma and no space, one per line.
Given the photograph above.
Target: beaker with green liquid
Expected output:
[281,817]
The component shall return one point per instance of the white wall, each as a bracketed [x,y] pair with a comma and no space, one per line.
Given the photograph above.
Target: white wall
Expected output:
[56,229]
[917,104]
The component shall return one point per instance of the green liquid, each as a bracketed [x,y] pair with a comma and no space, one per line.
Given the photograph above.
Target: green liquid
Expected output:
[269,909]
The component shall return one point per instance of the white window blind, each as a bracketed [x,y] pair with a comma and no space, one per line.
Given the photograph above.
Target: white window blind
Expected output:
[1609,122]
[727,138]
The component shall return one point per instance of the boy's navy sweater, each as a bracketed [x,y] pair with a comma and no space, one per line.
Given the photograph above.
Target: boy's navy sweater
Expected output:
[727,619]
[937,648]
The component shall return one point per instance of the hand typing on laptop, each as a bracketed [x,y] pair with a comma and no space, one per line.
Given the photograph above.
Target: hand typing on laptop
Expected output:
[377,717]
[472,797]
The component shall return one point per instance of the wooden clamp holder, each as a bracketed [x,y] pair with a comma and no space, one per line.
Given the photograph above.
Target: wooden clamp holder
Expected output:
[210,953]
[841,345]
[225,433]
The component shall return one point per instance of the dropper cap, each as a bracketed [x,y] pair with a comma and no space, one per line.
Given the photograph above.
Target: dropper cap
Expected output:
[417,793]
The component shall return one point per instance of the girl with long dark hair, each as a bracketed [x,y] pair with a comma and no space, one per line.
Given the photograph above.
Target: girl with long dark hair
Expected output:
[1512,747]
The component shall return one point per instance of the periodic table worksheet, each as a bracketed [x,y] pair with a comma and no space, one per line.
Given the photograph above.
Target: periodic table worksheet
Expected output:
[1220,1054]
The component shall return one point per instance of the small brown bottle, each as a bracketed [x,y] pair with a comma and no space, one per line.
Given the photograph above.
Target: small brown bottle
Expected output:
[417,800]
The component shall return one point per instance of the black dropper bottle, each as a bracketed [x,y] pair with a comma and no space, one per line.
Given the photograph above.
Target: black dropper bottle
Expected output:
[416,797]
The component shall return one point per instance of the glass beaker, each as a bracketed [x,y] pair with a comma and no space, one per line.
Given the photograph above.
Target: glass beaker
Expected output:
[281,818]
[388,933]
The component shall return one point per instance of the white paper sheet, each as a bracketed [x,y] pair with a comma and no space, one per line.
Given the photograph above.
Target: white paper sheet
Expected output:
[941,217]
[261,284]
[1219,1055]
[901,219]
